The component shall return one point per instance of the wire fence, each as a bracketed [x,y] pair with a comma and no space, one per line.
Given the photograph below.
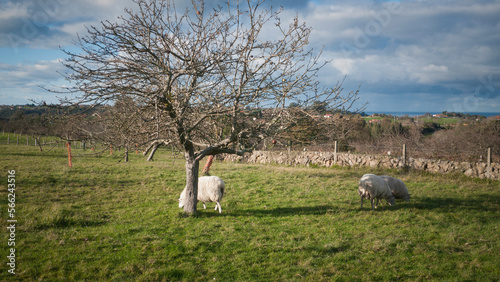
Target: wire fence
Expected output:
[457,153]
[20,139]
[464,153]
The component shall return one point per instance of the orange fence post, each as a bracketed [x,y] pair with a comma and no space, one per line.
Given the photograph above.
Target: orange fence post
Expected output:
[68,145]
[208,164]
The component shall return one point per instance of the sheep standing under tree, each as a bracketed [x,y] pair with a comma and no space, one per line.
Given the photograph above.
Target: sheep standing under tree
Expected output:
[210,189]
[190,72]
[373,187]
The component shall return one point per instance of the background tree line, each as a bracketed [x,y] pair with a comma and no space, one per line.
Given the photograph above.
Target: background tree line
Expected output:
[316,129]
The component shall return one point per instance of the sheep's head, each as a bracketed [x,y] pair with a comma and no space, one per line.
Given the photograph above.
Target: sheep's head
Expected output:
[391,201]
[360,191]
[363,193]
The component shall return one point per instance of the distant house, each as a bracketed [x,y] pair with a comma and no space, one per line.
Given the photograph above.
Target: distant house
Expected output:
[439,116]
[374,121]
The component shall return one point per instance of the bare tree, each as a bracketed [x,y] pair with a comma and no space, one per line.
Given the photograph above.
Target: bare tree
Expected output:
[200,69]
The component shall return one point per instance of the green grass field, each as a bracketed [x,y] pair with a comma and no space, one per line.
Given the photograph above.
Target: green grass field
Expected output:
[442,121]
[109,220]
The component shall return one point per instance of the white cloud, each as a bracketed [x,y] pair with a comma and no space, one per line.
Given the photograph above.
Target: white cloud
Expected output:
[11,10]
[74,28]
[39,24]
[434,68]
[21,82]
[345,66]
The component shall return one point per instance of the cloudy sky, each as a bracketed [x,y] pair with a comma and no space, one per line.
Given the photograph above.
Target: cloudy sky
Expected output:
[409,55]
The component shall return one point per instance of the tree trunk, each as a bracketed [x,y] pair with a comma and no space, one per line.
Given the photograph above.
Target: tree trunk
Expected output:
[153,150]
[192,167]
[37,141]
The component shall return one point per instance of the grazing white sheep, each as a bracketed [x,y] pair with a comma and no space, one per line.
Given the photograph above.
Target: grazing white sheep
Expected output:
[373,187]
[210,189]
[398,187]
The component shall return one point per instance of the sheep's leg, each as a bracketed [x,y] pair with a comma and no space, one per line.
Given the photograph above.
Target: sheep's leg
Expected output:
[361,201]
[372,200]
[376,203]
[204,206]
[218,204]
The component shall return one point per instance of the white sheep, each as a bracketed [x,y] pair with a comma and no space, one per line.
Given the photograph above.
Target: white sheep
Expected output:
[210,189]
[373,187]
[398,187]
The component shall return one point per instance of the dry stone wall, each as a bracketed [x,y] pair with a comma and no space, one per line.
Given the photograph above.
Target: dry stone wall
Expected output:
[328,159]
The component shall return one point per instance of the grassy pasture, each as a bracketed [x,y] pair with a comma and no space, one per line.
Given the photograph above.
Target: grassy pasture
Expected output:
[108,220]
[442,121]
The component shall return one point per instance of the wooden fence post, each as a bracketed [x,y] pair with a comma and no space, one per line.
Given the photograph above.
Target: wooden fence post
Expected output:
[206,169]
[289,148]
[335,158]
[70,163]
[8,139]
[404,155]
[489,163]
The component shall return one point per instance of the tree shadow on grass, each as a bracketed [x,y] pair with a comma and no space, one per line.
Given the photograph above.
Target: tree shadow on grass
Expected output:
[67,219]
[484,203]
[275,212]
[70,222]
[481,203]
[476,203]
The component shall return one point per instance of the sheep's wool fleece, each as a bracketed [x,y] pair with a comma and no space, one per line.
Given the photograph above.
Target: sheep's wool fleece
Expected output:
[398,187]
[375,186]
[210,189]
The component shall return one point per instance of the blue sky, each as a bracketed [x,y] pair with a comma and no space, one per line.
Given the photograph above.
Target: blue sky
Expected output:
[407,55]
